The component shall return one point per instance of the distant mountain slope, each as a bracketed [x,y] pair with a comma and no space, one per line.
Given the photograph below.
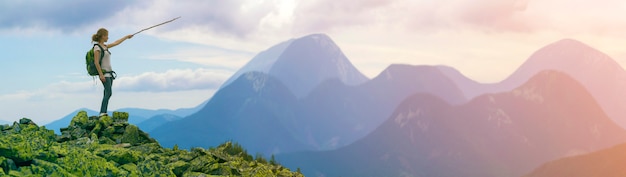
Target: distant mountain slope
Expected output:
[606,163]
[4,122]
[262,62]
[302,63]
[600,74]
[147,113]
[138,115]
[255,110]
[157,121]
[333,115]
[59,123]
[469,87]
[336,114]
[505,134]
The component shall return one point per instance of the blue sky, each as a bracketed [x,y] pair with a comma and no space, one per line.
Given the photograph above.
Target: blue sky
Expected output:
[181,64]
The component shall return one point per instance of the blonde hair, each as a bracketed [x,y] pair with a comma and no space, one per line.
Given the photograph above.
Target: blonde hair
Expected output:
[98,36]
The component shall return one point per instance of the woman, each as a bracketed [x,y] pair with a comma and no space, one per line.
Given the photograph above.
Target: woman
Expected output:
[105,71]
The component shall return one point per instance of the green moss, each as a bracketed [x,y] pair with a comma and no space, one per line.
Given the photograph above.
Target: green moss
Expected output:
[80,119]
[111,147]
[97,129]
[132,169]
[82,162]
[106,121]
[131,135]
[118,155]
[48,168]
[179,167]
[195,174]
[120,116]
[154,168]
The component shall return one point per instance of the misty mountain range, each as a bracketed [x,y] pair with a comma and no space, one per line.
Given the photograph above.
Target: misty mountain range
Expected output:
[304,101]
[144,118]
[503,134]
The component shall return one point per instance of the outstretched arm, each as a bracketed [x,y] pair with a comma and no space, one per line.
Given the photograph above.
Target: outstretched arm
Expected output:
[119,41]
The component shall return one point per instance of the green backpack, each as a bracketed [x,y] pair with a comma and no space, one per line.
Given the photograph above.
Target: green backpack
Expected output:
[89,59]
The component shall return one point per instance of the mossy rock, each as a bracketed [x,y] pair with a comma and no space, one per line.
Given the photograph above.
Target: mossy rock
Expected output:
[48,168]
[26,121]
[107,132]
[80,119]
[7,165]
[179,167]
[131,168]
[131,135]
[106,121]
[82,162]
[96,130]
[196,174]
[119,127]
[149,148]
[90,124]
[134,136]
[154,168]
[31,142]
[112,147]
[120,116]
[106,140]
[123,156]
[202,163]
[4,127]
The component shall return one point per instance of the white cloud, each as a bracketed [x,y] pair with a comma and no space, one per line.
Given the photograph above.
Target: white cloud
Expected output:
[220,58]
[172,80]
[169,81]
[48,109]
[172,89]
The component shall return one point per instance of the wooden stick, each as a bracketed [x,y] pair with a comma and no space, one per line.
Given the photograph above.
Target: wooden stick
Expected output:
[156,25]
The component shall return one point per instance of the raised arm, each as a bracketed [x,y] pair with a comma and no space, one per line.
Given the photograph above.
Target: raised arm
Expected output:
[119,41]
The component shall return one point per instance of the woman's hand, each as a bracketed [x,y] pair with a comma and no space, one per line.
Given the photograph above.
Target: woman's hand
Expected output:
[103,79]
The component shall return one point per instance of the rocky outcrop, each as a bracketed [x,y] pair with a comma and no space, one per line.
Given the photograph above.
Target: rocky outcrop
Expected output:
[107,130]
[110,146]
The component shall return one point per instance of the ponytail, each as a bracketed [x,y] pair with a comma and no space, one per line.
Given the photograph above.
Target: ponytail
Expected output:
[101,32]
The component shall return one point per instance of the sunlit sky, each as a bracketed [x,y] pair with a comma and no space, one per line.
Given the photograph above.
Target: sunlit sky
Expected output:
[181,64]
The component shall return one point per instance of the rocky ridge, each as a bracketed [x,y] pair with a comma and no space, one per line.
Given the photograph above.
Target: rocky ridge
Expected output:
[110,146]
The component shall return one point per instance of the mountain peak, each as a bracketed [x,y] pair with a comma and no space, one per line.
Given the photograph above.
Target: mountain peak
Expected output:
[568,50]
[567,55]
[570,42]
[316,36]
[312,59]
[568,45]
[552,83]
[302,63]
[408,79]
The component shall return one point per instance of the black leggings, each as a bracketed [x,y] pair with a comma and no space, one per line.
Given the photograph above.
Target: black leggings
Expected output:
[107,94]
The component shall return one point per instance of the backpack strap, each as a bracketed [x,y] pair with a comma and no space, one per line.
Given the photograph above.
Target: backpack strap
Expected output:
[101,52]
